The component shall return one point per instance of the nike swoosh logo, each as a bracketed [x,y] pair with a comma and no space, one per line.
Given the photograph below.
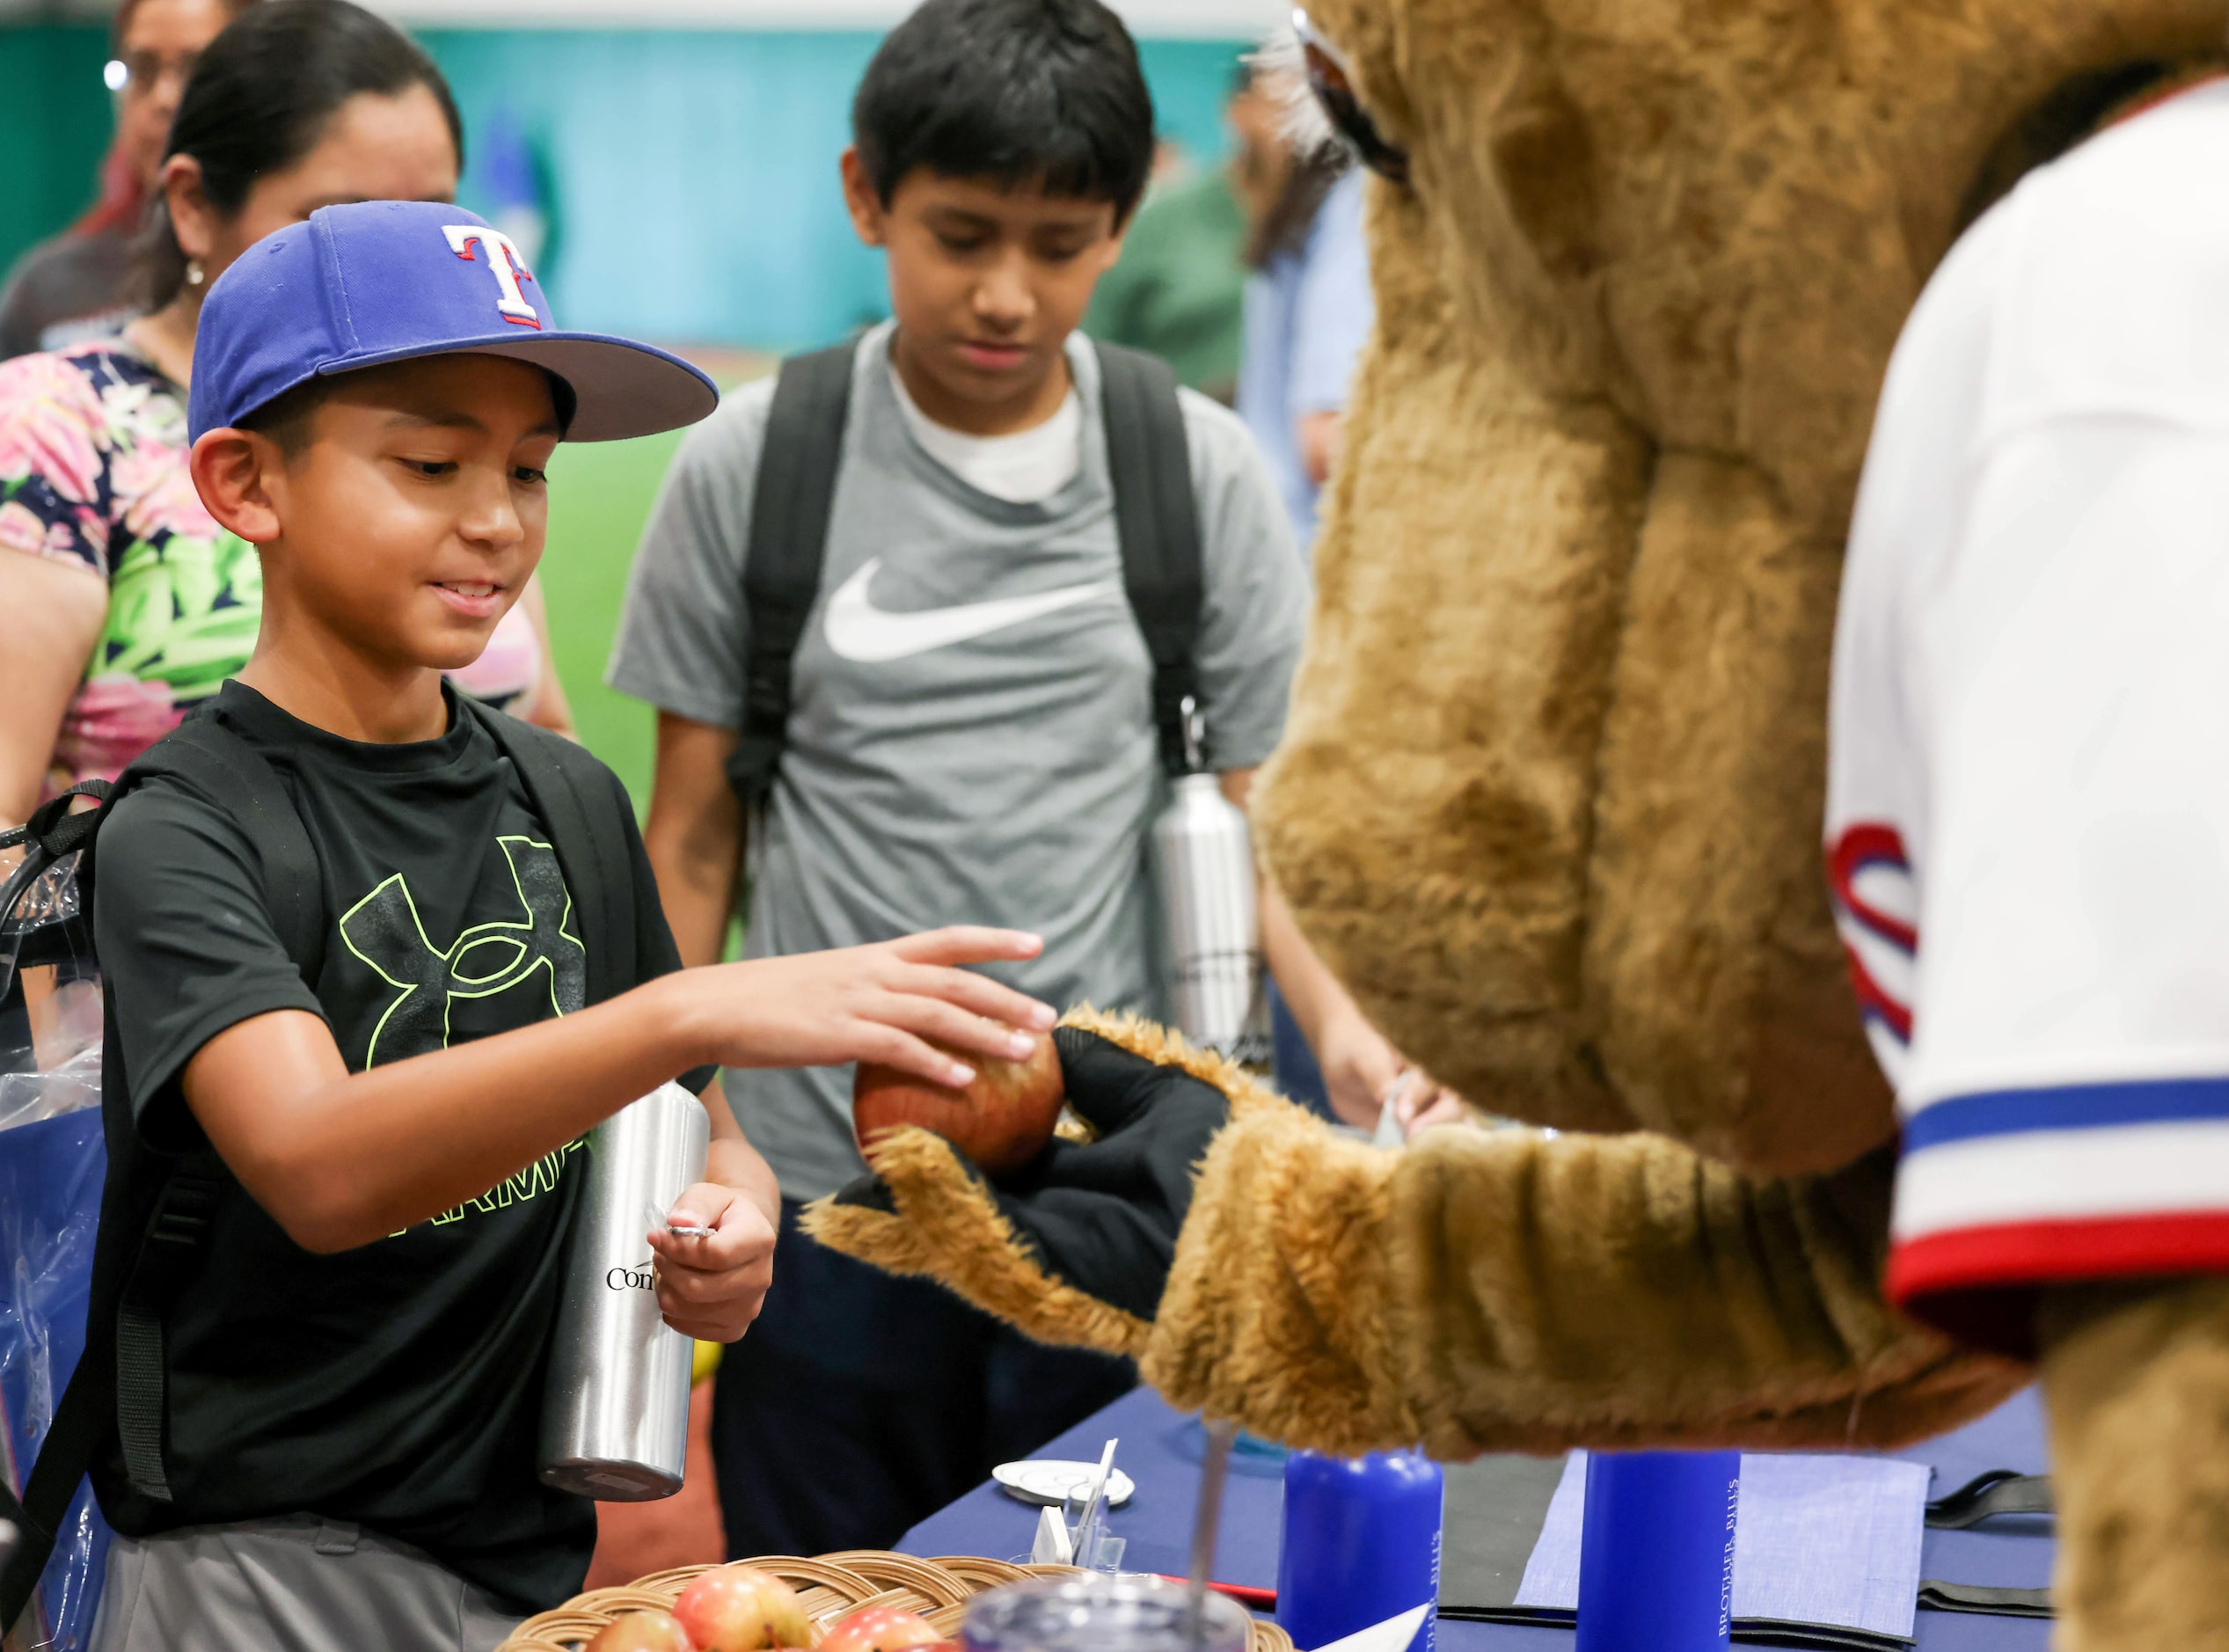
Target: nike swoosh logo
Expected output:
[856,630]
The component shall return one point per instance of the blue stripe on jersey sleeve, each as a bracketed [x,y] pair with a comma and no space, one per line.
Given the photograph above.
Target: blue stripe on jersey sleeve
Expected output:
[2085,1107]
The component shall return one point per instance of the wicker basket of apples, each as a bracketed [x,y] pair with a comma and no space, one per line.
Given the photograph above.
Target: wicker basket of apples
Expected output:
[863,1600]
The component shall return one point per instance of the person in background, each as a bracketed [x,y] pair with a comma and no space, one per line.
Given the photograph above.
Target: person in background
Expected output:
[518,671]
[74,287]
[1309,310]
[143,605]
[1178,290]
[934,762]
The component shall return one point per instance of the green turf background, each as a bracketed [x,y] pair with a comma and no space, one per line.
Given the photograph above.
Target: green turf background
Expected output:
[600,496]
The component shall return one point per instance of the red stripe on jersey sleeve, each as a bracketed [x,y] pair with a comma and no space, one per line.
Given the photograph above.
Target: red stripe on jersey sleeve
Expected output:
[1978,1284]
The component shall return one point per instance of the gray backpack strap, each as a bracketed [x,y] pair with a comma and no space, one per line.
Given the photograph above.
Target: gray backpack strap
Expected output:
[796,485]
[1148,461]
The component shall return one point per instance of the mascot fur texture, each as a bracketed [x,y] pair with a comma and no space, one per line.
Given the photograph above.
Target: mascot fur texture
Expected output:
[1550,800]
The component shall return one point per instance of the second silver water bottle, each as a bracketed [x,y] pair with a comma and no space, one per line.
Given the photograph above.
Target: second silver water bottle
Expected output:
[614,1416]
[1204,867]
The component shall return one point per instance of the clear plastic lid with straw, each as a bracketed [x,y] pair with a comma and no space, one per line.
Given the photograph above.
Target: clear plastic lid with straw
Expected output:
[1101,1613]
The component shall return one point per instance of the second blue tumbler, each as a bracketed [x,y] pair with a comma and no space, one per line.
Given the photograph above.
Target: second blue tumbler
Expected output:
[1656,1551]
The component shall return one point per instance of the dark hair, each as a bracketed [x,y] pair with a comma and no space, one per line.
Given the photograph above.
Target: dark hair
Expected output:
[260,99]
[1307,184]
[1044,90]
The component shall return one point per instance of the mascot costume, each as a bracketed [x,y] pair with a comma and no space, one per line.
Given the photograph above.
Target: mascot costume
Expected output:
[1553,794]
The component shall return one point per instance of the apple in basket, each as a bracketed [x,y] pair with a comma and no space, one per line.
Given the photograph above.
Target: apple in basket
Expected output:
[642,1632]
[881,1629]
[742,1609]
[1002,1120]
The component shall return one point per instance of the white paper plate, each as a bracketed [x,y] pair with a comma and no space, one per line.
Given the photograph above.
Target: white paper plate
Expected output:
[1048,1481]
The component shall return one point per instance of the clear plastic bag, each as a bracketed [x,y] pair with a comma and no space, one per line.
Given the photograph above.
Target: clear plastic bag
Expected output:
[52,1162]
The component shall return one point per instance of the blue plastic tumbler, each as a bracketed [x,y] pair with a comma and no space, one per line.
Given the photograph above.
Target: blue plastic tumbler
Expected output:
[1656,1551]
[1362,1544]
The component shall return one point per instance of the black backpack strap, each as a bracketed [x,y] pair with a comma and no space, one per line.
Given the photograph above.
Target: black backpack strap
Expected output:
[170,1250]
[796,485]
[53,828]
[1148,462]
[577,799]
[228,770]
[232,773]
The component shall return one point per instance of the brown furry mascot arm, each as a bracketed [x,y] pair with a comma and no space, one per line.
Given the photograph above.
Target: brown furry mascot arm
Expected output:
[1510,1290]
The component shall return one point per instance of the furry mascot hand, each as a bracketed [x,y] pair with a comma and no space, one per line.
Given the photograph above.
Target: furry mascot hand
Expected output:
[1341,1297]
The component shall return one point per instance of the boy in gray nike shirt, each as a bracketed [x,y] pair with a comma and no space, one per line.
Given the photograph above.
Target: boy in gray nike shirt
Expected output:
[971,734]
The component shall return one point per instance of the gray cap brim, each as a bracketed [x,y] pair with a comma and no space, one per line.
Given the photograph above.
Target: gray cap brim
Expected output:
[621,388]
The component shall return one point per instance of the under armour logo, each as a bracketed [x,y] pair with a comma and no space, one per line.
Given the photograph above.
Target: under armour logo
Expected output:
[503,257]
[383,929]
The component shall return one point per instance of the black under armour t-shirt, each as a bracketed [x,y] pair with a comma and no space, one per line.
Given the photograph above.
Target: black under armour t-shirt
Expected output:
[397,1385]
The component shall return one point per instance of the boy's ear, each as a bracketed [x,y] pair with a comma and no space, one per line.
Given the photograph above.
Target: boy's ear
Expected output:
[1110,250]
[232,472]
[862,201]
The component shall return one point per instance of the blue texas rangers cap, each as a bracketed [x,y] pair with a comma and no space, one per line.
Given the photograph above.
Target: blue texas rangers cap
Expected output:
[390,281]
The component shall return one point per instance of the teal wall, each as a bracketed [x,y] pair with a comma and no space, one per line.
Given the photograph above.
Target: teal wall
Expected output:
[690,174]
[53,128]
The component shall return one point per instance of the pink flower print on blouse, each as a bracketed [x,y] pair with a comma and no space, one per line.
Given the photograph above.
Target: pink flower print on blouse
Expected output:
[50,424]
[91,534]
[112,719]
[154,491]
[22,529]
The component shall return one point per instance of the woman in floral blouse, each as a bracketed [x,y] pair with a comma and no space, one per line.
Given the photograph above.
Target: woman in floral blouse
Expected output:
[121,602]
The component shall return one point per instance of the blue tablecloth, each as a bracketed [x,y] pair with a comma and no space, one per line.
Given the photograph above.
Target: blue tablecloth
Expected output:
[1160,1451]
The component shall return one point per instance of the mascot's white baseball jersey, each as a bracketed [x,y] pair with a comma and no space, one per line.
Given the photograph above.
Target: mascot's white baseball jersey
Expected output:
[2028,820]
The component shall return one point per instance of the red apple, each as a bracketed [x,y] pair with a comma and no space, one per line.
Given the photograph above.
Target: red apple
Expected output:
[1002,1120]
[642,1632]
[742,1609]
[881,1629]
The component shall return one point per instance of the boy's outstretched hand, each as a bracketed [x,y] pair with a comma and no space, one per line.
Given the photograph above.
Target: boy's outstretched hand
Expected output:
[881,1003]
[709,1286]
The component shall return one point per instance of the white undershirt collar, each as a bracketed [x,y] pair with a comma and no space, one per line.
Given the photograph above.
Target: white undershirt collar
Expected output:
[1022,468]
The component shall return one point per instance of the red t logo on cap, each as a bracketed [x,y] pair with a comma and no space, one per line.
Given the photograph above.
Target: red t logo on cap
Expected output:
[503,257]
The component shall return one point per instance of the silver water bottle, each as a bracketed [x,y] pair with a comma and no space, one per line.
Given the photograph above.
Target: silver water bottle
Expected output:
[614,1416]
[1203,866]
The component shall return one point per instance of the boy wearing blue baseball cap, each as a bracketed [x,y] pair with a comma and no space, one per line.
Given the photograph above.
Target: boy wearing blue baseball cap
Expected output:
[383,1063]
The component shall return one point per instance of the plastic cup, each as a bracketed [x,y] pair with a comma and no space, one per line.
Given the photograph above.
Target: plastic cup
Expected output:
[1099,1613]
